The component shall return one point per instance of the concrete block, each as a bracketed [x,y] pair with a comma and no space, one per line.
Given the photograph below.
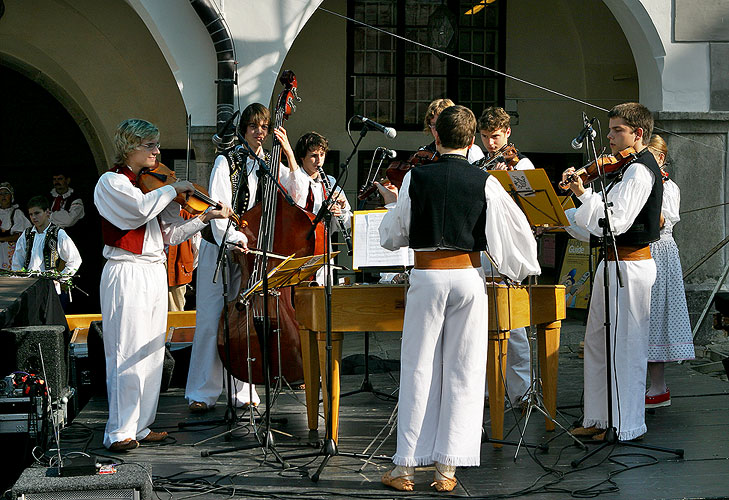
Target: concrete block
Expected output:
[701,21]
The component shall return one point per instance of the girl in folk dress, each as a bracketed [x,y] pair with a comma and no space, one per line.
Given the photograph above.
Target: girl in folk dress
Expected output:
[670,337]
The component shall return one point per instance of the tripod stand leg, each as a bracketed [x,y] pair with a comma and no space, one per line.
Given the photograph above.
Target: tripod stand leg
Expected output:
[548,345]
[336,357]
[310,358]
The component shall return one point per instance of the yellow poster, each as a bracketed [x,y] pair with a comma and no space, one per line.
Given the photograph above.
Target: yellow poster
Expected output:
[575,274]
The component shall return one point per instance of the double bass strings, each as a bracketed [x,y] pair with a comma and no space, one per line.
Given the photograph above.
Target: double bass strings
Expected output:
[502,73]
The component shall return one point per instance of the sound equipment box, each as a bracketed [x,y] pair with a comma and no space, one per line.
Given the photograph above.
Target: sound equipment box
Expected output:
[19,351]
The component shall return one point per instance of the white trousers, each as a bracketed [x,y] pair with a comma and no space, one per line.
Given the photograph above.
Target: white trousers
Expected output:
[442,369]
[630,319]
[517,365]
[134,317]
[206,376]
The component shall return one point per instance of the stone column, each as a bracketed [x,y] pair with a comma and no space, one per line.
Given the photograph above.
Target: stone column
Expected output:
[202,143]
[697,145]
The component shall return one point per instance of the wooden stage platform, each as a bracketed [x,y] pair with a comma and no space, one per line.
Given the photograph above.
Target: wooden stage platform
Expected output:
[697,421]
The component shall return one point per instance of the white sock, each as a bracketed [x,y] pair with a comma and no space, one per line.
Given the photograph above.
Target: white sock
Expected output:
[443,471]
[401,470]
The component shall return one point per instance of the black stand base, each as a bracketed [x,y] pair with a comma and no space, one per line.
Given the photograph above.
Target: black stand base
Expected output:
[264,441]
[486,439]
[328,450]
[366,385]
[611,438]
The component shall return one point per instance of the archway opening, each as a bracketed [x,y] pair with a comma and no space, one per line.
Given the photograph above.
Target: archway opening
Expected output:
[39,139]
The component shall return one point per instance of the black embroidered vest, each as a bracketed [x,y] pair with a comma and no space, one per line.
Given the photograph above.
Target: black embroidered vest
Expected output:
[646,226]
[448,205]
[51,260]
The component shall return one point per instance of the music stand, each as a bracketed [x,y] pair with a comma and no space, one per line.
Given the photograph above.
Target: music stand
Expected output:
[533,193]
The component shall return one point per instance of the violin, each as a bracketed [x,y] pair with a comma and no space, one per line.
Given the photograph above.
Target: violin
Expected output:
[506,154]
[606,163]
[397,169]
[196,203]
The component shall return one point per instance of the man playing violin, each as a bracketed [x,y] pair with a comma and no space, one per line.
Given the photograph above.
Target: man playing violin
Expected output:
[494,128]
[634,199]
[206,376]
[133,291]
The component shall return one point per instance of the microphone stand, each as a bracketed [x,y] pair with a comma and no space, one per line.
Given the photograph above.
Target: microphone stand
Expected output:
[329,448]
[608,241]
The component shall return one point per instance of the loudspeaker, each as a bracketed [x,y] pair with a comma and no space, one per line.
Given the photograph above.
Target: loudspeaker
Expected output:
[19,352]
[97,360]
[131,481]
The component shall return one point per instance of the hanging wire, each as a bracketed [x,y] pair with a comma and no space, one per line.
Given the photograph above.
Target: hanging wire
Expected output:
[501,73]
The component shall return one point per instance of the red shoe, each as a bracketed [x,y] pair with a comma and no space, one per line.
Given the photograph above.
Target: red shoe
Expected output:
[658,400]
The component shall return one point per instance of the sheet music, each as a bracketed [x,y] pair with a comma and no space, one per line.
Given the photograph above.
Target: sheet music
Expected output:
[367,251]
[521,183]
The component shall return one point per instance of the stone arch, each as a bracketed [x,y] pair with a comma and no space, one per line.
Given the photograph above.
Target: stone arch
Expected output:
[648,49]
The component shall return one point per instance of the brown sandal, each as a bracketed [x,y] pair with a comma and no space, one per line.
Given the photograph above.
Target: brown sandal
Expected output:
[154,437]
[198,407]
[447,484]
[126,445]
[401,483]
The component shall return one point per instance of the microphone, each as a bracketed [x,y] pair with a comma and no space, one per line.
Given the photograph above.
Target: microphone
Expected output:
[226,138]
[587,129]
[388,131]
[390,153]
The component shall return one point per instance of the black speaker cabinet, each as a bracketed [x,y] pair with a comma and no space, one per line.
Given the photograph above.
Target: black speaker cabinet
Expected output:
[130,482]
[97,360]
[19,351]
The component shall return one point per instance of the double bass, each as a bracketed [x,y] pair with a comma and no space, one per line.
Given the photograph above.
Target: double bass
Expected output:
[280,228]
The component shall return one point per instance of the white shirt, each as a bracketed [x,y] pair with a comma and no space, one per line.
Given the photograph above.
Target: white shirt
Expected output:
[298,183]
[19,223]
[508,234]
[67,251]
[627,197]
[221,190]
[66,218]
[475,153]
[126,207]
[670,206]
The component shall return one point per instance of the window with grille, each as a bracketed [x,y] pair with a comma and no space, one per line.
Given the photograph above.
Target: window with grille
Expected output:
[392,81]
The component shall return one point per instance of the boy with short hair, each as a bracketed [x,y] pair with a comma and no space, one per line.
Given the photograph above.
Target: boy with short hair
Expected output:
[45,246]
[634,195]
[495,130]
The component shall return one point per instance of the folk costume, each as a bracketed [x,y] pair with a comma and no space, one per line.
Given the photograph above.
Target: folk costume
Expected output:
[635,194]
[448,212]
[66,209]
[181,262]
[12,221]
[47,250]
[309,194]
[670,337]
[206,376]
[135,228]
[517,351]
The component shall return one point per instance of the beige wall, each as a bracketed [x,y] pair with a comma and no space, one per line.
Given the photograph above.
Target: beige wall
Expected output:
[100,61]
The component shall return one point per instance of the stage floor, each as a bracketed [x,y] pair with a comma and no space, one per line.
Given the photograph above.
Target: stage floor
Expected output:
[697,421]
